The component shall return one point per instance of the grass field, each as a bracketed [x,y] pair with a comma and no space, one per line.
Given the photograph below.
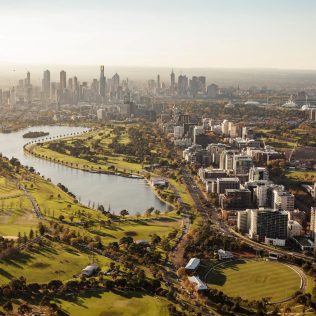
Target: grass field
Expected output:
[303,176]
[254,280]
[111,304]
[47,262]
[105,136]
[15,210]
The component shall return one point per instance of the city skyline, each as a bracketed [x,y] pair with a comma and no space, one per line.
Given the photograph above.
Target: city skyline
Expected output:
[200,34]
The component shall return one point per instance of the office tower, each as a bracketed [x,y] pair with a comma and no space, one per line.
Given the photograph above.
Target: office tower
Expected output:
[62,81]
[70,84]
[172,82]
[212,91]
[202,84]
[158,82]
[46,84]
[115,84]
[102,82]
[183,85]
[28,78]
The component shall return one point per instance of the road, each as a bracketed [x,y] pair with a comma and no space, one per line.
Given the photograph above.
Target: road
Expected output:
[211,214]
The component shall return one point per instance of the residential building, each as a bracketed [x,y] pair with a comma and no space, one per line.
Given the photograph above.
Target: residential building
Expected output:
[294,229]
[226,183]
[269,226]
[235,199]
[242,164]
[258,173]
[283,200]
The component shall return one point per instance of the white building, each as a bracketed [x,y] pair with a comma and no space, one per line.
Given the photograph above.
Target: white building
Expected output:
[101,114]
[193,264]
[223,254]
[258,173]
[178,132]
[199,285]
[283,200]
[294,228]
[225,128]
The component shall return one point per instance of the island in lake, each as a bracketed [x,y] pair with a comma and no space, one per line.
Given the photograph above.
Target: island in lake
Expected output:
[35,134]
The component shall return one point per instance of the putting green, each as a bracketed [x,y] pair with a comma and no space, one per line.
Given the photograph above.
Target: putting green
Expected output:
[254,280]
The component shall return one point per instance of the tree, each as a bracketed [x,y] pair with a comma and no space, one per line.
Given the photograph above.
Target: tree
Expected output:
[124,213]
[149,211]
[181,272]
[31,234]
[157,212]
[8,306]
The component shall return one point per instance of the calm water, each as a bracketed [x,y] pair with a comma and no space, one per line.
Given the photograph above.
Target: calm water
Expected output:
[118,192]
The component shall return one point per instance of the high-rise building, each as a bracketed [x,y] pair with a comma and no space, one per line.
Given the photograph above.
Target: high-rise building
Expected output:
[172,82]
[115,84]
[258,173]
[62,81]
[242,164]
[158,82]
[28,78]
[183,85]
[46,84]
[283,200]
[102,82]
[269,226]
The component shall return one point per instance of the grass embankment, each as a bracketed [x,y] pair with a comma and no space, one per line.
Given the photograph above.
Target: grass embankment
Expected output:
[54,202]
[112,304]
[100,139]
[15,210]
[254,280]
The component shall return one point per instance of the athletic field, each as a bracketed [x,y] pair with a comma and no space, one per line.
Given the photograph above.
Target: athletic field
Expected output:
[250,279]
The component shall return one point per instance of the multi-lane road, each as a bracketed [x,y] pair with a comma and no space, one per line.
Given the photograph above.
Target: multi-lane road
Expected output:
[210,213]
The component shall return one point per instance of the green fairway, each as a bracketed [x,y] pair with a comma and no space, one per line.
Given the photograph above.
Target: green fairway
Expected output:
[255,280]
[110,304]
[47,262]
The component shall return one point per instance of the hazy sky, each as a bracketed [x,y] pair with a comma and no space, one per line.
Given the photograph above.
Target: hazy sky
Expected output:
[179,33]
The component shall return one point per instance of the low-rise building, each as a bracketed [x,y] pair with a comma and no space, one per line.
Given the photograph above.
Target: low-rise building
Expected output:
[199,285]
[193,264]
[224,254]
[90,270]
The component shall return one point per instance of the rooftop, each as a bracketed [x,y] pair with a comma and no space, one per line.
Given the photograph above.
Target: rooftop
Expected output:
[193,264]
[199,284]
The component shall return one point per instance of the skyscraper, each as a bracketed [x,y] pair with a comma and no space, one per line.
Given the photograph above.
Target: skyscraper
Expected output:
[62,80]
[46,84]
[115,83]
[173,82]
[158,82]
[28,78]
[102,82]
